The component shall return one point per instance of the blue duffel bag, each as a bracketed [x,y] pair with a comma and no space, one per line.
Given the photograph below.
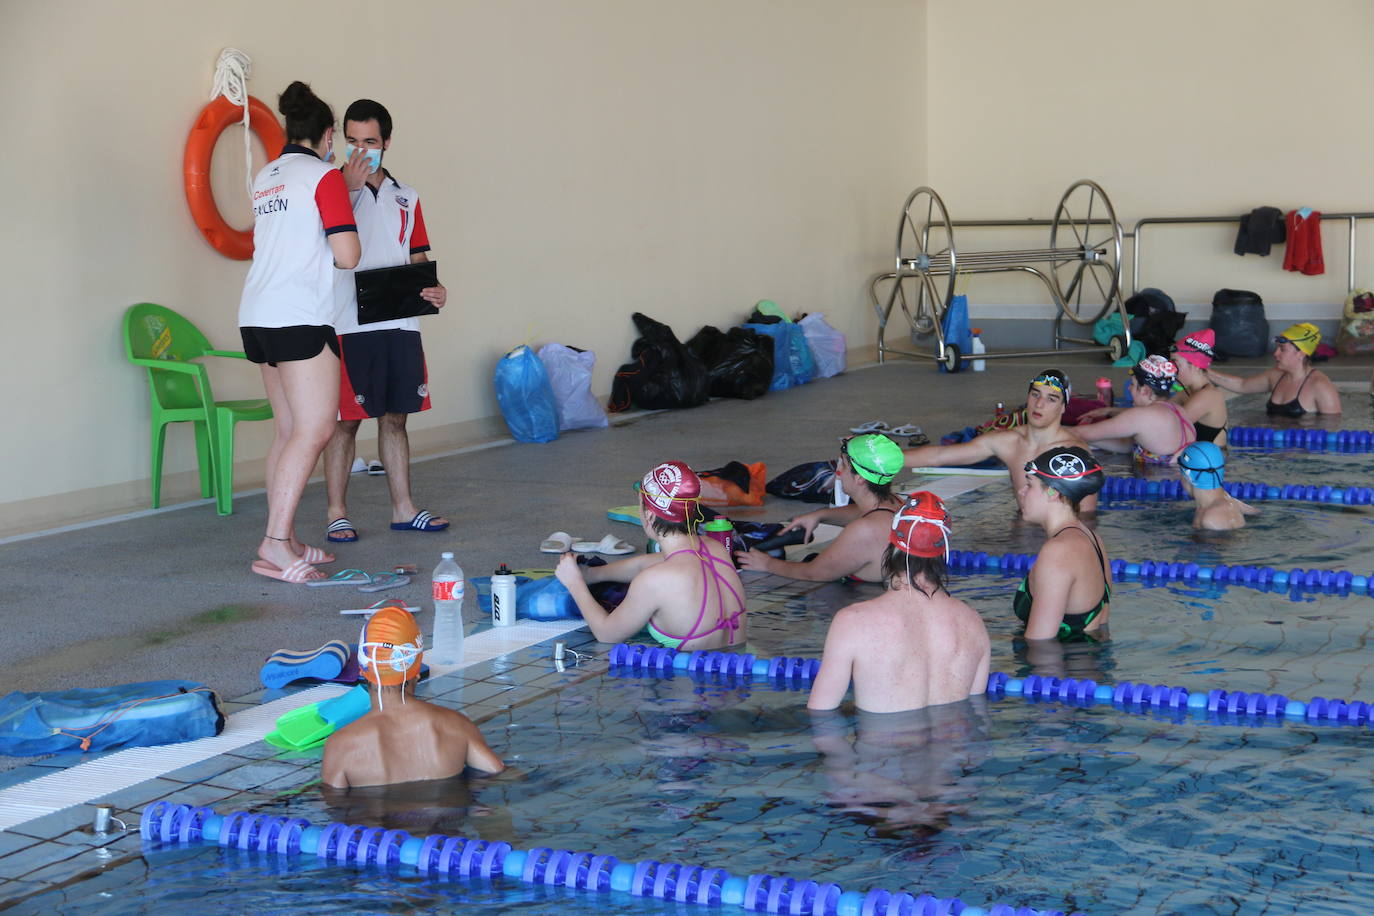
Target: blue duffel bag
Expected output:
[106,718]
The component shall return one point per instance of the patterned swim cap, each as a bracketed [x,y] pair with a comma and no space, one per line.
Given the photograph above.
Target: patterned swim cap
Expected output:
[390,647]
[672,491]
[1071,470]
[1156,373]
[1054,378]
[921,527]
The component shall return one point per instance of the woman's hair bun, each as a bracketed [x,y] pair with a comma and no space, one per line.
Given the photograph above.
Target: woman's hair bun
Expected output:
[296,100]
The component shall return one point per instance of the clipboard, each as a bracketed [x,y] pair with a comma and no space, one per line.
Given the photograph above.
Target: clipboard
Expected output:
[386,293]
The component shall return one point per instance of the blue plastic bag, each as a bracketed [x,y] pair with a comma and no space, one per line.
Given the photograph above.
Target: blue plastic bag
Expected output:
[955,326]
[535,599]
[793,363]
[526,397]
[105,718]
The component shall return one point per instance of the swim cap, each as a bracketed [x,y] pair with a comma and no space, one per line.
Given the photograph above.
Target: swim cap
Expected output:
[1204,464]
[875,457]
[1156,373]
[1198,348]
[921,527]
[1071,470]
[1055,378]
[1303,335]
[390,647]
[672,492]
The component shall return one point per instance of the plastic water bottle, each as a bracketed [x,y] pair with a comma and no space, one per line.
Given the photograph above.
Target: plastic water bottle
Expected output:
[1104,391]
[841,497]
[503,597]
[448,586]
[721,529]
[977,347]
[1001,409]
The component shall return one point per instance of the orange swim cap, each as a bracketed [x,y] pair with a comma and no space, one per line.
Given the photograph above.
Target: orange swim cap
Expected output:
[390,647]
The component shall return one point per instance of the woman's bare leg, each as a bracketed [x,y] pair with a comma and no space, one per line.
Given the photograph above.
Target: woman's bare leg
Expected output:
[304,397]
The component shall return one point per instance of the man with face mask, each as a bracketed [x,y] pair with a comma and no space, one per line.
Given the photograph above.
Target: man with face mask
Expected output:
[383,374]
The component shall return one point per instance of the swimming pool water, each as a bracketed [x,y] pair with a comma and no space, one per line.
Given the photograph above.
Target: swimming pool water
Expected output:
[1042,805]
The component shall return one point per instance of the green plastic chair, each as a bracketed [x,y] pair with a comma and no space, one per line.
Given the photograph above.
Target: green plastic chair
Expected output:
[168,345]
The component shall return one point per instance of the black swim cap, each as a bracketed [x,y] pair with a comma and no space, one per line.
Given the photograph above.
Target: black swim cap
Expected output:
[1071,470]
[1055,378]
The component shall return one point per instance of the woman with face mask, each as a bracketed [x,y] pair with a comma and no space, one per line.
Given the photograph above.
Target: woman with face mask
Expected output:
[302,229]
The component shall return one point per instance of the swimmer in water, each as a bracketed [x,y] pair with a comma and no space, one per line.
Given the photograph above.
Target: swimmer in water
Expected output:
[866,467]
[1046,397]
[1156,429]
[1071,571]
[1203,469]
[915,645]
[402,738]
[1295,388]
[688,595]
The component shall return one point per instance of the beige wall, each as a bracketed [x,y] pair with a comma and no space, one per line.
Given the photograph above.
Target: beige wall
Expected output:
[577,160]
[1178,107]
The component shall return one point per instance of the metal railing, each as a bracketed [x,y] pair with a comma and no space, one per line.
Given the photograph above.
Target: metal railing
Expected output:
[1350,219]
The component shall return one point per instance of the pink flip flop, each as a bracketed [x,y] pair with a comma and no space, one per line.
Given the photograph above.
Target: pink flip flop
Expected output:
[315,556]
[298,573]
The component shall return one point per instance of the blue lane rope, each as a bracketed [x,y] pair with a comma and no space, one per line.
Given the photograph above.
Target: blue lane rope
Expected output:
[1316,440]
[1330,581]
[164,823]
[1126,696]
[1121,488]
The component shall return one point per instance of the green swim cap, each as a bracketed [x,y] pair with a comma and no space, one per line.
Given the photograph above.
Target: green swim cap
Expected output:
[875,458]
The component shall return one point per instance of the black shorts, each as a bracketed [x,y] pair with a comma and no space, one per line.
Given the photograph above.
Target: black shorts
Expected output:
[382,372]
[288,345]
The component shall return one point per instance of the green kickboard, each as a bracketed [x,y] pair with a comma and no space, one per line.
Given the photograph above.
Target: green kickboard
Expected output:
[628,514]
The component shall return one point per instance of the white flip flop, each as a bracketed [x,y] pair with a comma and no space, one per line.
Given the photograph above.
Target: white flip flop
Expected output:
[872,426]
[609,545]
[910,429]
[558,542]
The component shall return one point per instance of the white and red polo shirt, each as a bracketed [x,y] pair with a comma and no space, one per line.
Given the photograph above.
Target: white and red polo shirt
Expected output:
[298,202]
[391,229]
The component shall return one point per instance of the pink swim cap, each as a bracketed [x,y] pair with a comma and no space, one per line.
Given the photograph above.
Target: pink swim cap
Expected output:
[1198,348]
[672,492]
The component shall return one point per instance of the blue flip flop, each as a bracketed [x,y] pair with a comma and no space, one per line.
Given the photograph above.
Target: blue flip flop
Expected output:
[421,522]
[322,664]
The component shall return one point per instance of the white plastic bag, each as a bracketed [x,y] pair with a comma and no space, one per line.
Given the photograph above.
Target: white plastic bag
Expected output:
[570,374]
[828,345]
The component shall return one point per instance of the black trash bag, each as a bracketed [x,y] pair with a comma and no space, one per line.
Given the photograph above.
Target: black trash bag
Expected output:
[661,374]
[739,361]
[1238,318]
[1154,320]
[813,482]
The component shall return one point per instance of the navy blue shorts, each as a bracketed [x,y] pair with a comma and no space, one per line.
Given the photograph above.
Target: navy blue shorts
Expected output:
[382,372]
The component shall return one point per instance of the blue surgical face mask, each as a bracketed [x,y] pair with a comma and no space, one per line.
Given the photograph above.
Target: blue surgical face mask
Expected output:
[374,157]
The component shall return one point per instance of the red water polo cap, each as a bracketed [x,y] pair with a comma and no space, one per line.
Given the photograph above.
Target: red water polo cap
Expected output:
[921,527]
[672,491]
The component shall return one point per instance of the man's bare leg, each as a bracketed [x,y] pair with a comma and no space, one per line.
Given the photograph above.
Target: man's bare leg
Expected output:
[394,446]
[338,467]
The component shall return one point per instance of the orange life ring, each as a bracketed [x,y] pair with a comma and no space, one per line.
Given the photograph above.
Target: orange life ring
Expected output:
[200,145]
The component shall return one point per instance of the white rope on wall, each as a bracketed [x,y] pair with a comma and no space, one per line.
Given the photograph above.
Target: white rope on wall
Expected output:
[231,81]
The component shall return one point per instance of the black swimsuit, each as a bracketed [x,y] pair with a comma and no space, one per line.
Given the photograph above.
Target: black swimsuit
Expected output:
[1289,408]
[1207,433]
[1073,626]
